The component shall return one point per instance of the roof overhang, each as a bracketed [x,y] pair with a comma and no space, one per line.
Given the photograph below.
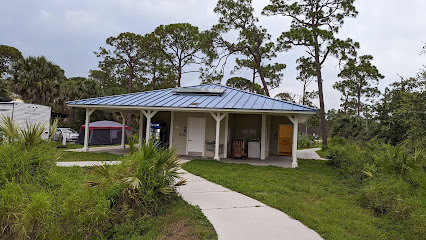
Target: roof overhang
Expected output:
[302,115]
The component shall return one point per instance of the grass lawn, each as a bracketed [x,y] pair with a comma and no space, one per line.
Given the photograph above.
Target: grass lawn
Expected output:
[83,156]
[314,194]
[321,153]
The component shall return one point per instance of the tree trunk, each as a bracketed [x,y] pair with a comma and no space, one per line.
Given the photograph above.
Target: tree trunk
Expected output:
[359,103]
[320,92]
[179,72]
[303,94]
[254,79]
[130,80]
[262,78]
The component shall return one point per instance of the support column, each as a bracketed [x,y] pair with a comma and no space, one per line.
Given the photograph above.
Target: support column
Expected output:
[140,128]
[148,114]
[123,132]
[218,117]
[263,138]
[87,129]
[172,126]
[225,142]
[295,121]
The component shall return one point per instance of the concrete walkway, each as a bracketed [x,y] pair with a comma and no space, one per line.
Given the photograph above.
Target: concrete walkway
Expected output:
[236,216]
[86,163]
[309,153]
[119,150]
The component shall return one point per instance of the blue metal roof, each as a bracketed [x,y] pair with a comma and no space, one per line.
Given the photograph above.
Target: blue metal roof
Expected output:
[231,99]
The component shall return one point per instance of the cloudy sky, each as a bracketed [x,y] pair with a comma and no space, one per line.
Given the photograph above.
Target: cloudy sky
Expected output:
[67,32]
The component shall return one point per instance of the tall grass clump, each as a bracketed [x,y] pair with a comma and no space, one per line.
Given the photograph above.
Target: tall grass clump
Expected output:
[391,179]
[39,200]
[133,141]
[30,134]
[144,180]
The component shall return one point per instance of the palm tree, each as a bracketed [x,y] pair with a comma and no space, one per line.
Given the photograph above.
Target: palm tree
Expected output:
[38,80]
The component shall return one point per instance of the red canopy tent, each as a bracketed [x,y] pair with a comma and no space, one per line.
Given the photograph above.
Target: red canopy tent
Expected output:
[104,133]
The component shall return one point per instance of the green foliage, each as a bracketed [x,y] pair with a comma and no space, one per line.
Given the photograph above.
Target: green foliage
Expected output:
[38,80]
[329,204]
[392,179]
[179,44]
[286,96]
[125,59]
[29,134]
[39,200]
[144,179]
[305,141]
[245,84]
[9,58]
[347,126]
[133,140]
[359,75]
[401,113]
[314,26]
[253,41]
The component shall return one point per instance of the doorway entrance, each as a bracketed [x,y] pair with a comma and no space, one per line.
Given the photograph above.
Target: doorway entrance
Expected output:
[285,140]
[196,135]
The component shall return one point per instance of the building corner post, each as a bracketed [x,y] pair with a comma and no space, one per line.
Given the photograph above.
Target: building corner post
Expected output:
[295,164]
[123,132]
[263,138]
[140,128]
[87,129]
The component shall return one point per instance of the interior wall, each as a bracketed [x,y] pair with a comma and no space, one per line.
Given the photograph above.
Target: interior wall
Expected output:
[276,121]
[268,134]
[231,127]
[180,131]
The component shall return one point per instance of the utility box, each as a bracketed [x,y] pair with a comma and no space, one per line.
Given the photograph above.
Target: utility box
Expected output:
[254,149]
[210,146]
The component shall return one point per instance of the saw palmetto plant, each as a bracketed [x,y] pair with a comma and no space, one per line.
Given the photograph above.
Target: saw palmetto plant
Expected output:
[145,178]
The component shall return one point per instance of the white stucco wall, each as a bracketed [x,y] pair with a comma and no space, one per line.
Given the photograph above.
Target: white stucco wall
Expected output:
[180,131]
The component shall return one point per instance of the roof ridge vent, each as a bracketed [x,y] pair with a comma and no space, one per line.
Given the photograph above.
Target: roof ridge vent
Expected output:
[199,91]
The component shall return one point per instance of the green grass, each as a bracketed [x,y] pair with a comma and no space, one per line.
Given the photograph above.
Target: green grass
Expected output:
[88,156]
[314,194]
[177,220]
[322,153]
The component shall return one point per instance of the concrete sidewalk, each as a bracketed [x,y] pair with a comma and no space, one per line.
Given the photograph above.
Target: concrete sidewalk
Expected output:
[309,153]
[236,216]
[86,163]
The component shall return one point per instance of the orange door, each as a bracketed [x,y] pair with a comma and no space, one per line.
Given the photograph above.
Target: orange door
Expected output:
[285,140]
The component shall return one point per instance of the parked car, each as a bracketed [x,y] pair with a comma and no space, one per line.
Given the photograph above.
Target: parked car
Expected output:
[69,133]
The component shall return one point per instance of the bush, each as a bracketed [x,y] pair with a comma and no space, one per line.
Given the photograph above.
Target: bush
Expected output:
[387,196]
[42,201]
[39,200]
[143,179]
[391,179]
[305,141]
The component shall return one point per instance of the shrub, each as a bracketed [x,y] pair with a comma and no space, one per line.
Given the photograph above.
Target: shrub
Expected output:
[144,178]
[41,201]
[305,141]
[391,179]
[29,135]
[387,196]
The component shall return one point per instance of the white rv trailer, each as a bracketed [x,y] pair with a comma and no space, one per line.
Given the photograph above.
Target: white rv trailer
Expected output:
[21,113]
